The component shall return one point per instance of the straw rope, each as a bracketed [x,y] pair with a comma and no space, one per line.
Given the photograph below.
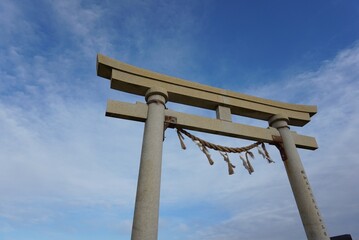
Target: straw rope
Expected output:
[223,150]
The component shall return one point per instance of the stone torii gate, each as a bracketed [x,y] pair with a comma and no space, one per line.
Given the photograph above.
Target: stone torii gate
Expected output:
[158,89]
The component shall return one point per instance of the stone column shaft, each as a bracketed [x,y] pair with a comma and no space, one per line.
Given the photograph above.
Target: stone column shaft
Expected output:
[308,209]
[145,221]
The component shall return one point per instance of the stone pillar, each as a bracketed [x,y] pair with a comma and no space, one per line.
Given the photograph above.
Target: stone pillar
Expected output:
[145,221]
[308,209]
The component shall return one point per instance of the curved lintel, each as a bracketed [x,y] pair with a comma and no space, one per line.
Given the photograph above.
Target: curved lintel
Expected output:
[128,78]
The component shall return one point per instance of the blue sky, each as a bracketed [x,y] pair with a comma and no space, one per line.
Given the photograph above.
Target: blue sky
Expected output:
[69,172]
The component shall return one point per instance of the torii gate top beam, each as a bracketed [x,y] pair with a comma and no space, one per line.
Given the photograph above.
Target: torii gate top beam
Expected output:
[135,80]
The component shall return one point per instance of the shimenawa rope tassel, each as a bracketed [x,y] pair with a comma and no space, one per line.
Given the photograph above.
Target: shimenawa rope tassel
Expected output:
[230,165]
[181,138]
[205,151]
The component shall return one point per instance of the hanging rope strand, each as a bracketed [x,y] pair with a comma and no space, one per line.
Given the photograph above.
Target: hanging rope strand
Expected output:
[250,167]
[205,151]
[269,159]
[230,165]
[181,138]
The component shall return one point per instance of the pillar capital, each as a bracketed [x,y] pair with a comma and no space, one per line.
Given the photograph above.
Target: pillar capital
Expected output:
[156,94]
[278,121]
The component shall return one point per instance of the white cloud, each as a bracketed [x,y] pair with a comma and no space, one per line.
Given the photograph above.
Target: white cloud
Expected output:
[75,155]
[84,23]
[58,149]
[14,24]
[332,169]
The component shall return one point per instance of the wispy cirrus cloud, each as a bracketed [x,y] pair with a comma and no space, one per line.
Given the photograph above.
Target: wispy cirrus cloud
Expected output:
[62,159]
[58,156]
[331,169]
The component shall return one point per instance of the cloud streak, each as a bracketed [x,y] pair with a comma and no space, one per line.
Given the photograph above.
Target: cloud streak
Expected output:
[331,169]
[61,159]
